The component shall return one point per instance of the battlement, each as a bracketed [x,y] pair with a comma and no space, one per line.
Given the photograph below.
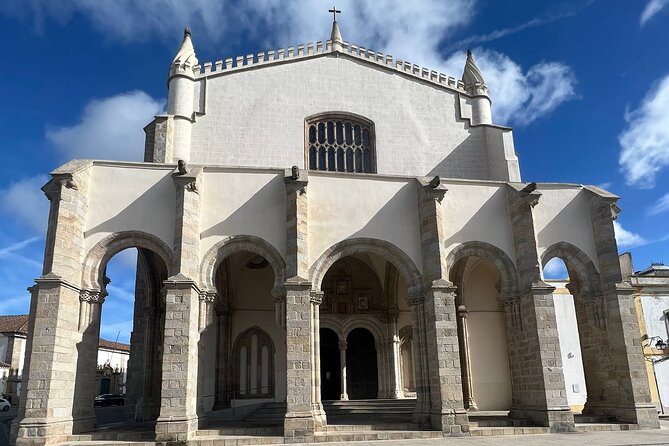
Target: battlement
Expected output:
[310,50]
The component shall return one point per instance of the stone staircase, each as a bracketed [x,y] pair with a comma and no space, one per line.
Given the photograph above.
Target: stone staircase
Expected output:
[483,424]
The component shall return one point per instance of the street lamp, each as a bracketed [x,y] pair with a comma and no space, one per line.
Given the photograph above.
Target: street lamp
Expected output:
[659,343]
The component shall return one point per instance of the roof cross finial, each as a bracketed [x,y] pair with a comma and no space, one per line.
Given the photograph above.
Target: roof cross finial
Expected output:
[334,12]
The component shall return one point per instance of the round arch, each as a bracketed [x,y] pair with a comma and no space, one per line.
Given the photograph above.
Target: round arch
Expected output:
[342,327]
[242,243]
[578,263]
[501,261]
[361,245]
[98,256]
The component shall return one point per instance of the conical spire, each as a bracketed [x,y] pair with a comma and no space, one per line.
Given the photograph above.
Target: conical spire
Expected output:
[335,35]
[472,77]
[185,57]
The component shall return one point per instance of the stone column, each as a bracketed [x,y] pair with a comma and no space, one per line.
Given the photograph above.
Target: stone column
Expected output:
[50,371]
[317,405]
[223,395]
[422,411]
[89,329]
[300,422]
[631,402]
[342,363]
[537,379]
[178,420]
[304,413]
[178,397]
[447,410]
[394,350]
[465,360]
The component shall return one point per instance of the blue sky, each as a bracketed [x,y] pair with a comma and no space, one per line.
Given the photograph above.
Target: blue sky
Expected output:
[585,84]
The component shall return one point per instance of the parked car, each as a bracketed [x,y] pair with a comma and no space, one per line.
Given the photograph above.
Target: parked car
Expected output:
[108,399]
[5,405]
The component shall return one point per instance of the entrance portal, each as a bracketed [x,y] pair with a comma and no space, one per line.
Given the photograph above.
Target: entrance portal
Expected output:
[330,365]
[361,365]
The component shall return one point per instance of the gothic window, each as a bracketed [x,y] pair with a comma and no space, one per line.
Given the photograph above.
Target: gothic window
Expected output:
[253,360]
[340,143]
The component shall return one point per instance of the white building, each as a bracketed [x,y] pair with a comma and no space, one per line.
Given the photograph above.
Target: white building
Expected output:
[325,222]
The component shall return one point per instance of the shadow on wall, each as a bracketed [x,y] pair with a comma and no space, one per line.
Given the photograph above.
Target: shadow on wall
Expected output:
[136,217]
[251,217]
[570,220]
[468,160]
[482,225]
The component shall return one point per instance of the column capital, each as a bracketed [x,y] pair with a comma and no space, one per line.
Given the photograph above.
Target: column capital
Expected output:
[316,297]
[187,178]
[180,282]
[92,296]
[342,346]
[432,189]
[296,180]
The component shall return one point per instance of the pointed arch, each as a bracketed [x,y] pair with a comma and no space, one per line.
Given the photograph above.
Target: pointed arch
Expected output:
[99,255]
[582,270]
[501,261]
[242,243]
[363,245]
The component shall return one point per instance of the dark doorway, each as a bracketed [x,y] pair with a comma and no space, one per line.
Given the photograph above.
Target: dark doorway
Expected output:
[361,365]
[105,386]
[330,365]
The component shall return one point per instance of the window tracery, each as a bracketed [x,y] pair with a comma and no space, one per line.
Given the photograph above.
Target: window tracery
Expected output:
[340,143]
[253,358]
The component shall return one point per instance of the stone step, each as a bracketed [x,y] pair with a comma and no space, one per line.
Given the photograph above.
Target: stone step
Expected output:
[373,427]
[234,440]
[520,430]
[112,436]
[240,430]
[499,423]
[593,419]
[330,437]
[598,427]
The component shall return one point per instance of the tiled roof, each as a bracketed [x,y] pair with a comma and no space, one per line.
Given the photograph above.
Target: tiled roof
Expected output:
[114,345]
[14,324]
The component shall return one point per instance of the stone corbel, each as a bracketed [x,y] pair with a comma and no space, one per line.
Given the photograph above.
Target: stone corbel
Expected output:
[296,180]
[189,179]
[511,304]
[280,311]
[432,188]
[528,192]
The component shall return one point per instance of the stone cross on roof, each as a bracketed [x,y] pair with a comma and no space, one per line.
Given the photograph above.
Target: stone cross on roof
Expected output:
[334,12]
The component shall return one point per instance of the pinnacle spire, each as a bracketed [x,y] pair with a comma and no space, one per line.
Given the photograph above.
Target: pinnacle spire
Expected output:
[186,55]
[473,78]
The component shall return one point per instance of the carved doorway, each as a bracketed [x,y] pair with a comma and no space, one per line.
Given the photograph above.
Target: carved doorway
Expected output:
[361,364]
[330,365]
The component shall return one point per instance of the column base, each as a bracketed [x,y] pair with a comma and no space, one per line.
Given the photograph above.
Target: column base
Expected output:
[172,430]
[451,423]
[343,397]
[299,427]
[319,416]
[645,415]
[39,432]
[557,420]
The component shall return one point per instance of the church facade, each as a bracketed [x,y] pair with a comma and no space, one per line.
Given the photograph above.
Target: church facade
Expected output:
[322,223]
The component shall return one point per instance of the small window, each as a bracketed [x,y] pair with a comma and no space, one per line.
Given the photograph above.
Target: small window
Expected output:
[340,143]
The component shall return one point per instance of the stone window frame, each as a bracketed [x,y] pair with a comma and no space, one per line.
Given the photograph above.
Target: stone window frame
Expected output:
[343,116]
[244,340]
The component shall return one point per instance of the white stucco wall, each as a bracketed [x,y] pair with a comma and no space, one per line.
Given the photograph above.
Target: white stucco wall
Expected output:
[477,212]
[563,215]
[130,197]
[257,117]
[654,307]
[243,201]
[346,206]
[570,345]
[3,347]
[115,358]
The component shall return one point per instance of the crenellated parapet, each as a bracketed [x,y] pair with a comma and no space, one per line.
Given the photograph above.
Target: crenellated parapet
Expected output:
[320,48]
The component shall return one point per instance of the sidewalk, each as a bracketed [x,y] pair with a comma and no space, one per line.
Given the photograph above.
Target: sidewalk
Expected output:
[641,438]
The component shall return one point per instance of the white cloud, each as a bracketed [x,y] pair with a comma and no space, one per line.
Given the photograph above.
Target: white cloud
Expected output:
[24,201]
[519,97]
[110,128]
[555,269]
[627,239]
[645,140]
[661,206]
[651,9]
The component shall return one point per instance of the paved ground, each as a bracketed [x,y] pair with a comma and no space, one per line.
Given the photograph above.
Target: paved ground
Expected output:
[639,438]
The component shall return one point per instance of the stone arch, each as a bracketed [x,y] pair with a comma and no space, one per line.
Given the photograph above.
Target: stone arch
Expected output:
[240,243]
[365,321]
[99,255]
[579,266]
[501,261]
[363,245]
